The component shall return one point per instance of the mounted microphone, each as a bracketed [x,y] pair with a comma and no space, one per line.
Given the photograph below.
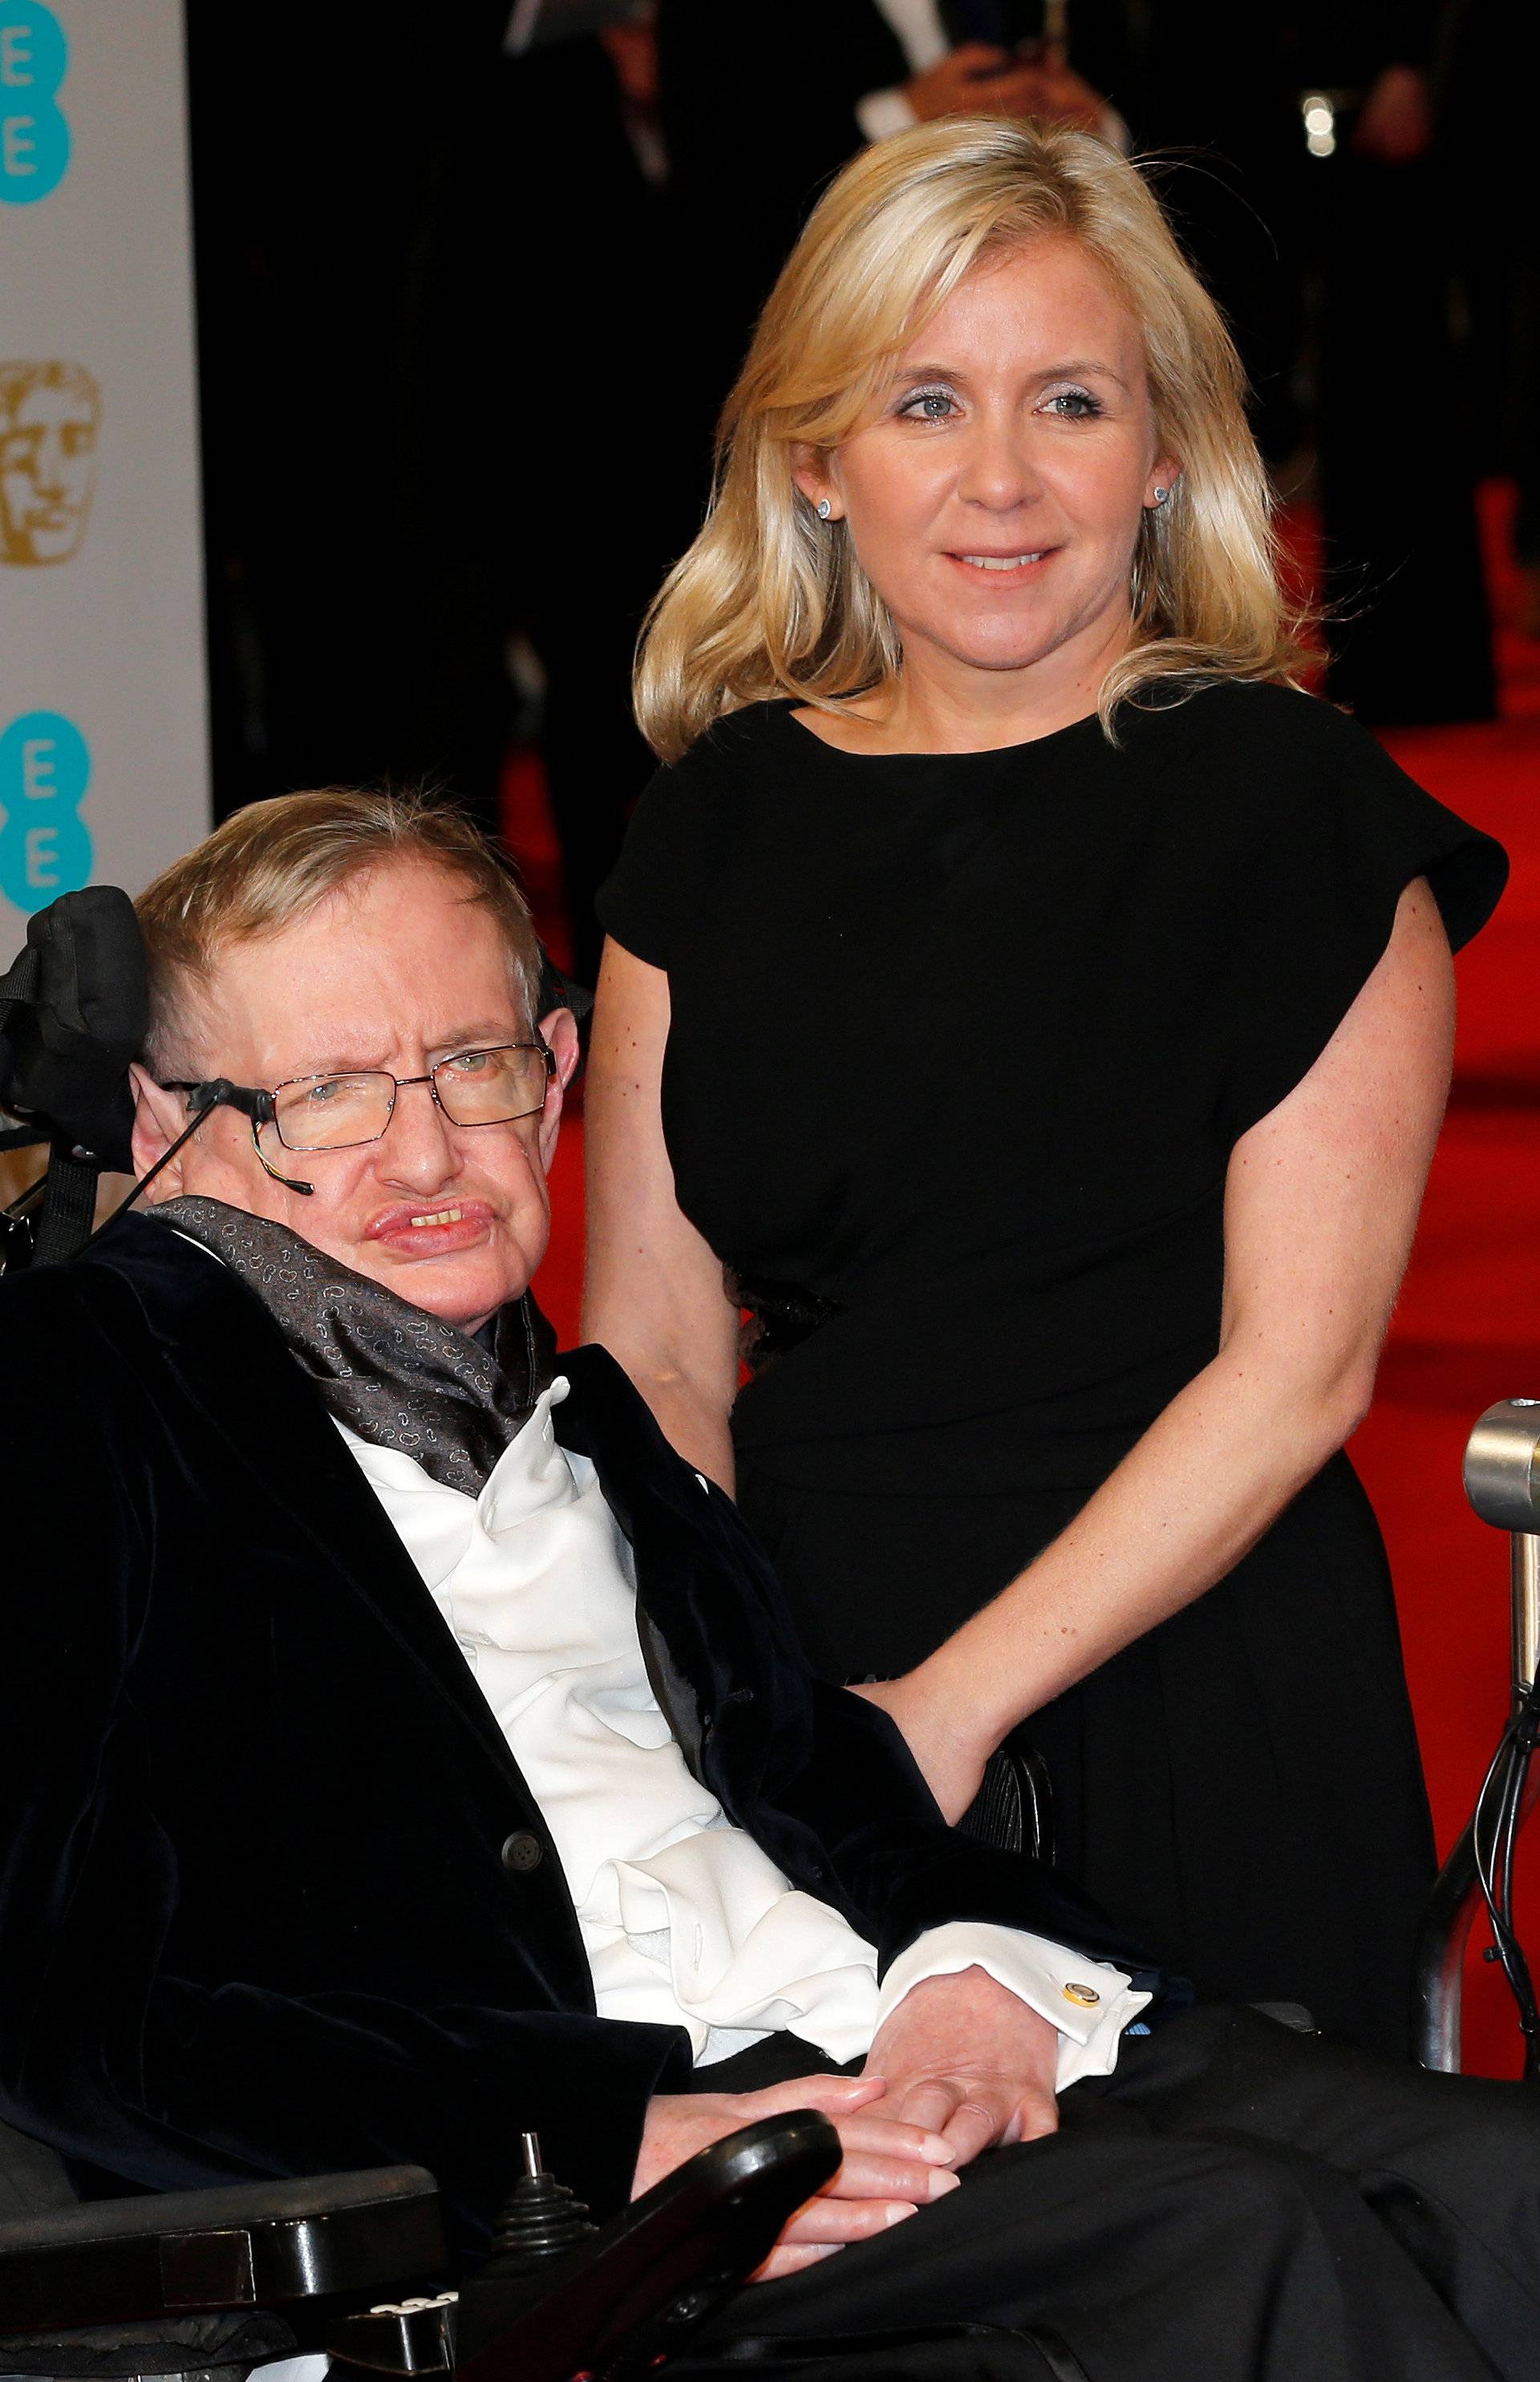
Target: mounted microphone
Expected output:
[218,1093]
[252,1104]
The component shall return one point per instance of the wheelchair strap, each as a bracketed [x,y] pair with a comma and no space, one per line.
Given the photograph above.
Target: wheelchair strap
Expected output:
[69,1208]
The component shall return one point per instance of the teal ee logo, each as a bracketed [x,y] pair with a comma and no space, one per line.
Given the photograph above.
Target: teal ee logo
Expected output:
[44,844]
[34,137]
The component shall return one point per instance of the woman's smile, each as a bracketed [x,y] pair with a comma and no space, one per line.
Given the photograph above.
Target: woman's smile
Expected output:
[1014,566]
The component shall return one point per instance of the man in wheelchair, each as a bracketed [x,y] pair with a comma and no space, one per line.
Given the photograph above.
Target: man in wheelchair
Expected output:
[402,1747]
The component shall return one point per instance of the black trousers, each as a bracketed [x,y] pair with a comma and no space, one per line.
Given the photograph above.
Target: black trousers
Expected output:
[1237,2204]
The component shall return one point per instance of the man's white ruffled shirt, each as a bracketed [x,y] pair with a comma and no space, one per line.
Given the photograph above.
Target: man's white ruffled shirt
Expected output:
[685,1921]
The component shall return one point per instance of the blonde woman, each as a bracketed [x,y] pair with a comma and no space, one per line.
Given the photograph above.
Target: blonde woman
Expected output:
[1038,1014]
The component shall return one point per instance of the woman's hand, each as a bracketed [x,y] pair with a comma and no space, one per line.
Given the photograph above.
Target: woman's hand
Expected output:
[947,1743]
[890,2167]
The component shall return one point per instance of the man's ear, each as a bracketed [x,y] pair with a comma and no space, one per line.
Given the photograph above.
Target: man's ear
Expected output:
[559,1030]
[159,1117]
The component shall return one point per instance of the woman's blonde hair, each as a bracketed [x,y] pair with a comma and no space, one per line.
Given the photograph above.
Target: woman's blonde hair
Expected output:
[770,601]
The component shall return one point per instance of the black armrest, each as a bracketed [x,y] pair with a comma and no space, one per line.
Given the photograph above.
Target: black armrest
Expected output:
[1013,1808]
[250,2245]
[624,2299]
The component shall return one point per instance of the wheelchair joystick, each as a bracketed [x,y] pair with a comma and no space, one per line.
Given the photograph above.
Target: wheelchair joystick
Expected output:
[539,2220]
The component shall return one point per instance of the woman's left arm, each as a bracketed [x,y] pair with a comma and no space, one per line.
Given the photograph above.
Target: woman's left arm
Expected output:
[1321,1203]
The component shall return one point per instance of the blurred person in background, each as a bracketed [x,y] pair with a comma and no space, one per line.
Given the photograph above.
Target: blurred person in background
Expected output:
[390,448]
[1305,174]
[1412,641]
[1489,179]
[350,349]
[595,467]
[762,103]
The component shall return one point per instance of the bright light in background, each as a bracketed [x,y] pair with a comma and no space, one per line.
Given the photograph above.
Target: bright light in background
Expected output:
[1320,125]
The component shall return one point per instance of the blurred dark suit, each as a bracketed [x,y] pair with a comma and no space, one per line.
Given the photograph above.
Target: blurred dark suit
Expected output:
[352,282]
[433,409]
[759,103]
[1349,260]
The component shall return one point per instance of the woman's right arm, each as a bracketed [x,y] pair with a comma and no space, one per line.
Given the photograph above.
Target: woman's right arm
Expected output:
[653,1292]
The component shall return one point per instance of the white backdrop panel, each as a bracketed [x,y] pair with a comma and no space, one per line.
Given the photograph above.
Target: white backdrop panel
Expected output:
[104,768]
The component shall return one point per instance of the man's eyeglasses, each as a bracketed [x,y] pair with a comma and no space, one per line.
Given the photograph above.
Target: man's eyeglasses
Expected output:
[470,1088]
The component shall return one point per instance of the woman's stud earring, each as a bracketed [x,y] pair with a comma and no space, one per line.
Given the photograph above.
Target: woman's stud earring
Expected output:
[1161,495]
[825,508]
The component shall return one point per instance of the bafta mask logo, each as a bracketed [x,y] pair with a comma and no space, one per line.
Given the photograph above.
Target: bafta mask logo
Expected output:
[49,417]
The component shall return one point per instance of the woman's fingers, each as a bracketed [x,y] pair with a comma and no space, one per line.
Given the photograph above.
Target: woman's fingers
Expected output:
[840,2221]
[832,2094]
[876,2187]
[847,2100]
[870,2175]
[869,2131]
[791,2257]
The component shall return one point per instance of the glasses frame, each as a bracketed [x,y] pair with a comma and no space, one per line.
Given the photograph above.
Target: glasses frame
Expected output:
[264,1102]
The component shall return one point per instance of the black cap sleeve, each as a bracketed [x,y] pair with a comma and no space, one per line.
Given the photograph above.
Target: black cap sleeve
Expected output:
[1338,833]
[640,901]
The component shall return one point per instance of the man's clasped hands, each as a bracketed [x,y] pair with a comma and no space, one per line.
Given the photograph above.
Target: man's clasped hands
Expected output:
[962,2064]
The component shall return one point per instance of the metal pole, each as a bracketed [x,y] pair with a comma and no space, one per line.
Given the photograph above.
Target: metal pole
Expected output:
[1524,1571]
[1502,1482]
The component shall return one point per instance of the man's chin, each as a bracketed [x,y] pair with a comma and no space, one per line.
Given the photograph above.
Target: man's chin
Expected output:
[462,1287]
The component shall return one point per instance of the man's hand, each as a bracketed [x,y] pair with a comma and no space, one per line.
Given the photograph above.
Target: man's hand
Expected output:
[947,1744]
[1059,95]
[975,79]
[967,2059]
[891,2168]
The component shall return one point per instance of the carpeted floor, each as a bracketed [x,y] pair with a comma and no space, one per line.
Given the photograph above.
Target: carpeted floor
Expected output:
[1468,1328]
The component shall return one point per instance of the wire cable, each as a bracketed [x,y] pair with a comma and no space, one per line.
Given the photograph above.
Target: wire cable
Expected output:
[1494,1834]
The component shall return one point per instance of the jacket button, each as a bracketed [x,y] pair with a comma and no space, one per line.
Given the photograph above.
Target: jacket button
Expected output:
[522,1852]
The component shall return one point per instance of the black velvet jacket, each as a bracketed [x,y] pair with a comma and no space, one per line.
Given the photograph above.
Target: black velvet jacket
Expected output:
[260,1913]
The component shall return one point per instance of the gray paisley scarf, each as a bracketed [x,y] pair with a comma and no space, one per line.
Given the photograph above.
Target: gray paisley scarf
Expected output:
[396,1376]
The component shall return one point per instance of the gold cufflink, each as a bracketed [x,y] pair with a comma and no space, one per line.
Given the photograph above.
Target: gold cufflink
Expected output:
[1087,1995]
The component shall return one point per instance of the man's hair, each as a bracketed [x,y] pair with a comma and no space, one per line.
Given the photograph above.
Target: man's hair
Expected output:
[270,864]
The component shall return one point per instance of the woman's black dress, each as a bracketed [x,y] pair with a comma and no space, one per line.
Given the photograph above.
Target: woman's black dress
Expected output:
[960,1046]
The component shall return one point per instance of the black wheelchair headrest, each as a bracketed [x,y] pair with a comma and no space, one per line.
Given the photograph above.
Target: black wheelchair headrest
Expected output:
[73,1012]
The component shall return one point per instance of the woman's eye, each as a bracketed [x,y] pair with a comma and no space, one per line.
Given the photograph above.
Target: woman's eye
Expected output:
[1074,405]
[930,405]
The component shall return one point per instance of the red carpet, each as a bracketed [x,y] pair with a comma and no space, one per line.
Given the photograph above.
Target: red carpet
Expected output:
[1468,1328]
